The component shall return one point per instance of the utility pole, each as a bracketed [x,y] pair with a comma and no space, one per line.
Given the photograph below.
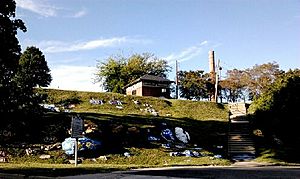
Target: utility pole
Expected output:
[177,93]
[217,80]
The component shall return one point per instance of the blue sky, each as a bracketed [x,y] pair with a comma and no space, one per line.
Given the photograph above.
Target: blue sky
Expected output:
[76,34]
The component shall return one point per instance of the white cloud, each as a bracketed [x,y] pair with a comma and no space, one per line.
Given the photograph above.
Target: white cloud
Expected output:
[79,78]
[80,13]
[187,53]
[60,46]
[40,7]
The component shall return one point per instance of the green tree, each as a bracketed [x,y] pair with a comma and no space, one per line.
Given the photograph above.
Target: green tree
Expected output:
[117,71]
[33,72]
[259,77]
[194,84]
[232,87]
[276,110]
[249,83]
[10,52]
[33,69]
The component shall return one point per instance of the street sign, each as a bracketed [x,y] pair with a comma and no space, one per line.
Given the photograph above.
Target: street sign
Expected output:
[77,127]
[77,132]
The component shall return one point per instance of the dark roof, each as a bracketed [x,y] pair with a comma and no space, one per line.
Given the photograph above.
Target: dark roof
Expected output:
[150,78]
[153,78]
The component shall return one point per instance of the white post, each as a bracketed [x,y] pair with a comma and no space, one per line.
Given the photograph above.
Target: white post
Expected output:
[217,81]
[75,151]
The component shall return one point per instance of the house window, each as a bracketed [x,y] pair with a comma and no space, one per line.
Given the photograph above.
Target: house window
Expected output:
[163,90]
[133,92]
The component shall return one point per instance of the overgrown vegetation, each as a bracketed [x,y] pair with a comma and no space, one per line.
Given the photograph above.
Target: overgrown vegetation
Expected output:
[20,73]
[276,115]
[117,71]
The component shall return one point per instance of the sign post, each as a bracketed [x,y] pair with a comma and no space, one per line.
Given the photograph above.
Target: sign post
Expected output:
[77,130]
[75,151]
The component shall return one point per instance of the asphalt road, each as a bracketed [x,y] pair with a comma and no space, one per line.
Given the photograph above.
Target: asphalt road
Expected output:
[201,172]
[238,170]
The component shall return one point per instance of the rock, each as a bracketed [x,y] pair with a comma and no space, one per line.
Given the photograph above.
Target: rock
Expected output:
[133,129]
[28,151]
[2,153]
[154,113]
[182,135]
[3,160]
[136,102]
[88,130]
[51,147]
[119,107]
[117,129]
[103,157]
[73,161]
[44,156]
[127,154]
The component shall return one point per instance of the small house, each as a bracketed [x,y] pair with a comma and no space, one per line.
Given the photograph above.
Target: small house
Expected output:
[149,85]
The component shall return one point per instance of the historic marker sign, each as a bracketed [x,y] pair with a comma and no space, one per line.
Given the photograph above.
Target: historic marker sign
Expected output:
[77,132]
[77,127]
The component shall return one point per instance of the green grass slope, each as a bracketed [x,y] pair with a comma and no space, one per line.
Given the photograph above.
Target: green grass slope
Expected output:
[125,130]
[205,121]
[165,107]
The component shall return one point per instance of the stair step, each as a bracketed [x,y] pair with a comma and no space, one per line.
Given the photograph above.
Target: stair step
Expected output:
[238,150]
[237,138]
[240,138]
[241,144]
[241,148]
[240,141]
[243,158]
[236,121]
[239,135]
[241,152]
[246,148]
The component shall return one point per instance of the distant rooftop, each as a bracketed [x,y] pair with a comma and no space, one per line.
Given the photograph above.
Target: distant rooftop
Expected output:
[153,78]
[149,78]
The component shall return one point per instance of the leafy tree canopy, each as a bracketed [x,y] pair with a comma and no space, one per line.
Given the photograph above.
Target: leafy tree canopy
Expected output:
[194,84]
[276,110]
[249,83]
[258,78]
[117,71]
[10,52]
[232,85]
[33,69]
[20,73]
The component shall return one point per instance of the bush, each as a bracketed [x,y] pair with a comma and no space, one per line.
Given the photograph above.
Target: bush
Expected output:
[276,111]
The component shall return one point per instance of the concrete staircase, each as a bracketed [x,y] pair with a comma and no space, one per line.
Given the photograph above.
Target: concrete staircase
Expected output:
[240,144]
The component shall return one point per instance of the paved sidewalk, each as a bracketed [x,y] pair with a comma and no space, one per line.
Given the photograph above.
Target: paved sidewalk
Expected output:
[252,164]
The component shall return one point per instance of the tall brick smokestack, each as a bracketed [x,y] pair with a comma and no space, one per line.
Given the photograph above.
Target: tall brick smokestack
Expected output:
[211,57]
[212,71]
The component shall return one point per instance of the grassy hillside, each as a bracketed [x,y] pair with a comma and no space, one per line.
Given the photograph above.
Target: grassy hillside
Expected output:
[165,107]
[125,129]
[203,120]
